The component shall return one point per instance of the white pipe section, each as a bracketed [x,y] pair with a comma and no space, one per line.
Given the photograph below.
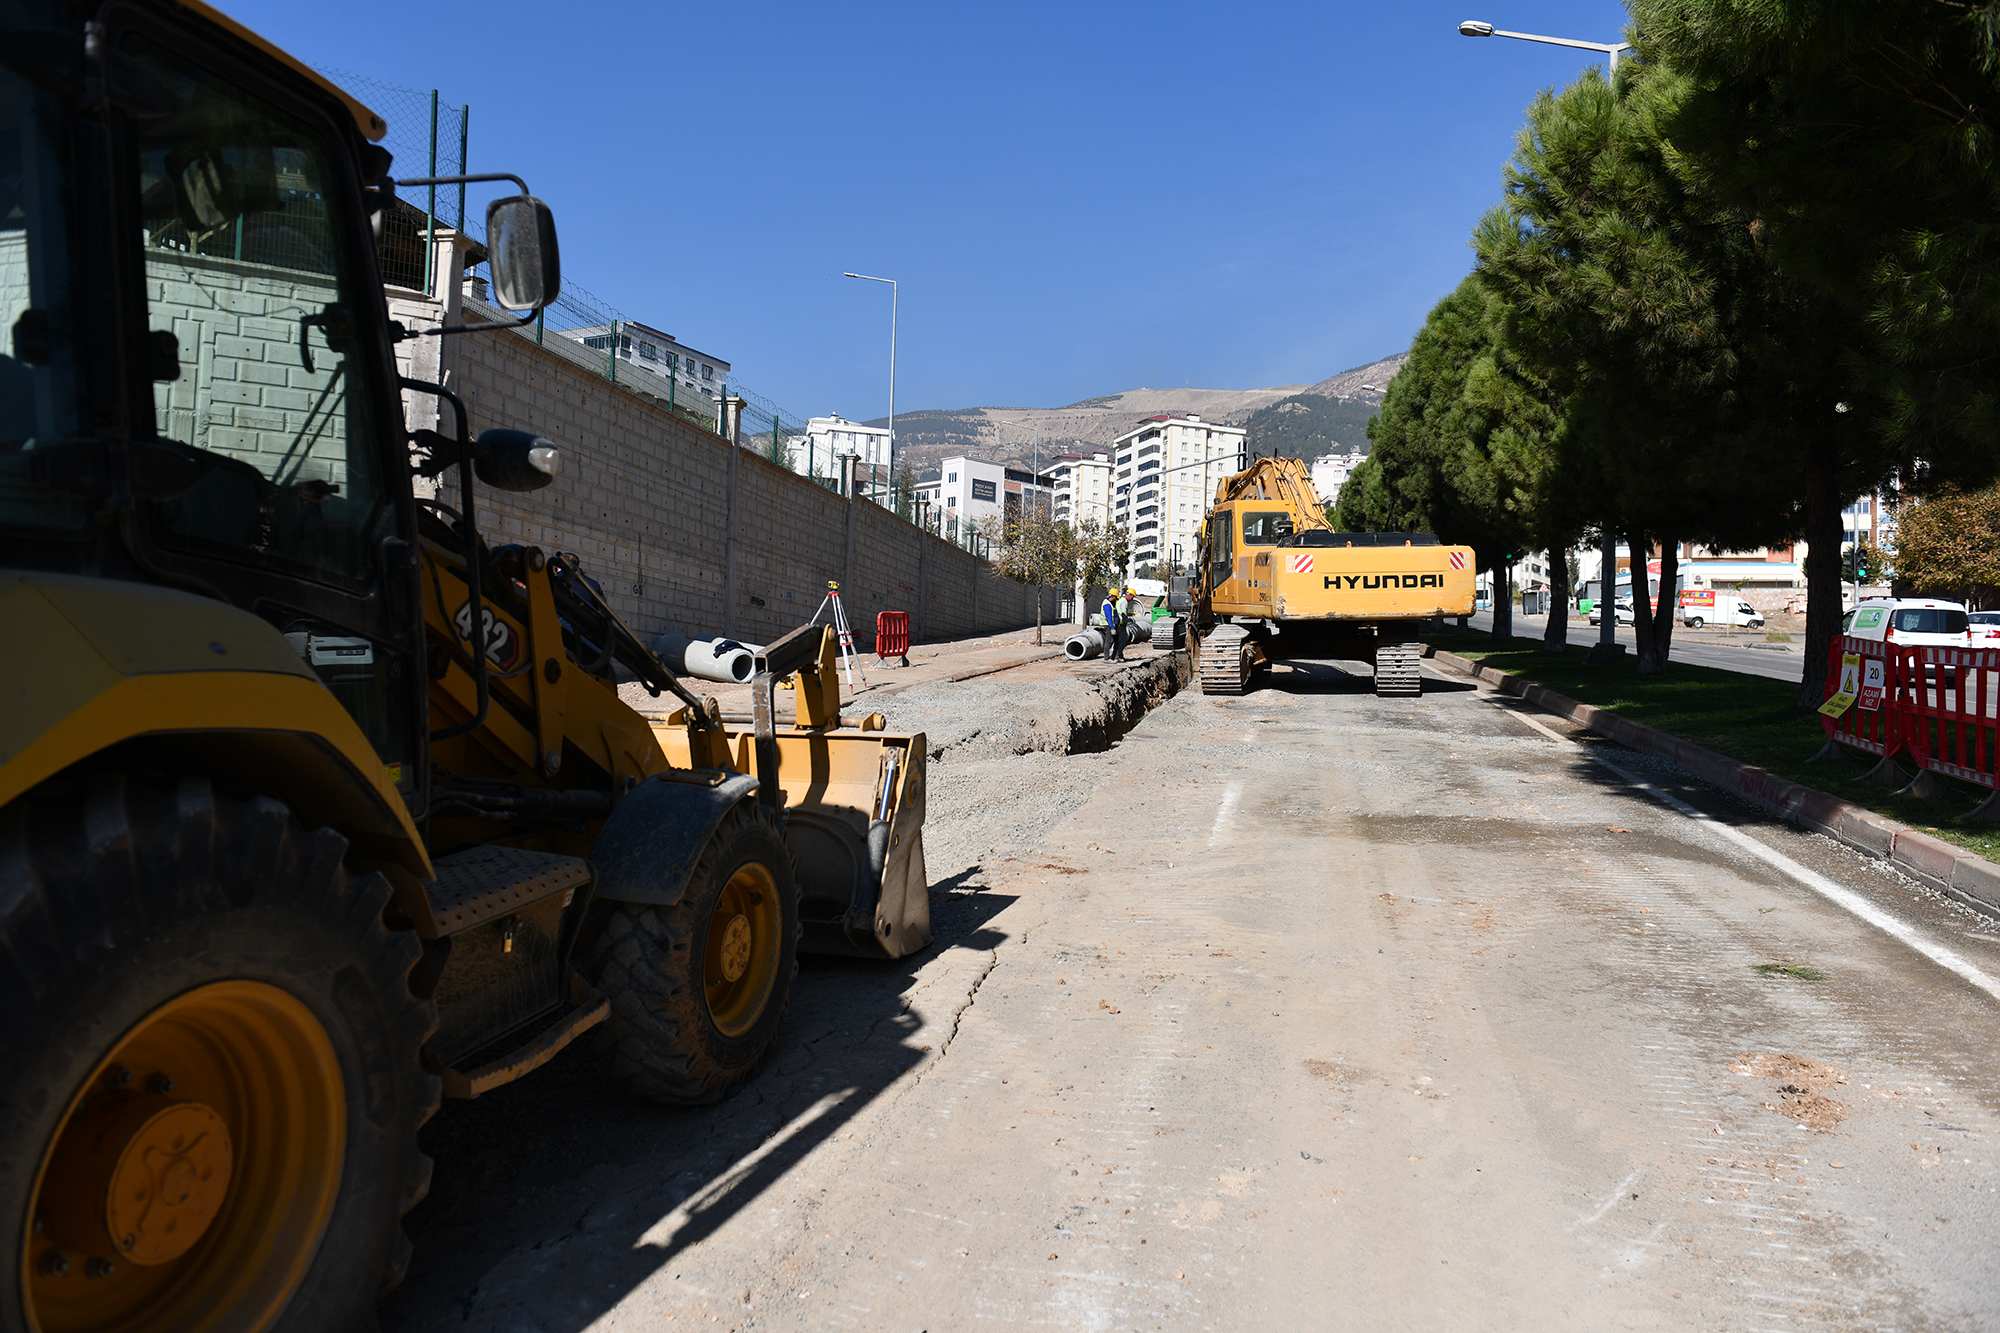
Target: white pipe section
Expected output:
[717,659]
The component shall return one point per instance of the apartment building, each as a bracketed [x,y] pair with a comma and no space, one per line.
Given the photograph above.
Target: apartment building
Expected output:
[1331,471]
[1082,488]
[648,359]
[967,490]
[829,437]
[1164,474]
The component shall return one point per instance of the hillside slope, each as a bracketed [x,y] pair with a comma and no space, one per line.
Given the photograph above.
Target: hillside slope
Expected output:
[925,437]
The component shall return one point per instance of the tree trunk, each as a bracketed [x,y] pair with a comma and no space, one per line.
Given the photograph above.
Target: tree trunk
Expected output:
[1503,607]
[1823,569]
[1555,638]
[1653,629]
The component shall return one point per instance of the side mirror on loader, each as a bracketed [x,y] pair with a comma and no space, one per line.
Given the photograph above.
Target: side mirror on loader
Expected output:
[514,460]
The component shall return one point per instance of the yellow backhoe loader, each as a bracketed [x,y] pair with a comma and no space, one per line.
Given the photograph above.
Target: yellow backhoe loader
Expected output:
[1278,581]
[316,806]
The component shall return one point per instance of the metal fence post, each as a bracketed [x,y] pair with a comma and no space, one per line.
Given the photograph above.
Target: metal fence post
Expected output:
[611,367]
[431,204]
[541,319]
[464,134]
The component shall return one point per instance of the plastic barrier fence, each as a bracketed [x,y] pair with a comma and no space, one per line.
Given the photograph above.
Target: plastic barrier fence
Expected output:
[892,633]
[1939,706]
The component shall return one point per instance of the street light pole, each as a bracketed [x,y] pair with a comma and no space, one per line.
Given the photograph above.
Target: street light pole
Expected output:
[895,296]
[1608,583]
[1474,28]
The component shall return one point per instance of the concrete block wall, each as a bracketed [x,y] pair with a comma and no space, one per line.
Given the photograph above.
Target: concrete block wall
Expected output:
[685,531]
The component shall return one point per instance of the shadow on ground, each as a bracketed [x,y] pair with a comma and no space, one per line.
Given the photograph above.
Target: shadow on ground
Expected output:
[553,1198]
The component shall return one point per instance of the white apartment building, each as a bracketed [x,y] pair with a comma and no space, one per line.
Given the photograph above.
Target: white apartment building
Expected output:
[1164,474]
[969,489]
[1331,471]
[648,359]
[1082,489]
[828,437]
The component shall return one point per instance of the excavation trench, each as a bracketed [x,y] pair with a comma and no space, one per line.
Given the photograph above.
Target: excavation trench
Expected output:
[993,717]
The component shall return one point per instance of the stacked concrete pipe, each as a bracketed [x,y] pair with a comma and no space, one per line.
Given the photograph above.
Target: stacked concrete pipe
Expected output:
[716,659]
[1096,641]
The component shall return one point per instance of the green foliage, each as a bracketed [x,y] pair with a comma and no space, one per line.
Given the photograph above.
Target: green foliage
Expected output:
[1102,553]
[1862,137]
[905,493]
[1039,552]
[1949,543]
[1308,426]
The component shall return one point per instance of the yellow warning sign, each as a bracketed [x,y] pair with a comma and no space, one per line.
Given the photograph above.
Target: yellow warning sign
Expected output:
[1850,686]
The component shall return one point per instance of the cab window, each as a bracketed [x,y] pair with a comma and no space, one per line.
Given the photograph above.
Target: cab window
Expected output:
[247,269]
[1221,547]
[41,385]
[1265,528]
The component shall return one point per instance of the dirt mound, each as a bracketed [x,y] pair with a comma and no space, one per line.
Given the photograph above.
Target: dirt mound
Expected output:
[1801,1087]
[1005,716]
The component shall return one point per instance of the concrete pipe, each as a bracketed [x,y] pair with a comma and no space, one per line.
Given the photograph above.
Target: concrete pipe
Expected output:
[717,659]
[1083,646]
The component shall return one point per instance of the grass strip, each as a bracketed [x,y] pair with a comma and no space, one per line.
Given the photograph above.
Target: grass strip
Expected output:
[1752,719]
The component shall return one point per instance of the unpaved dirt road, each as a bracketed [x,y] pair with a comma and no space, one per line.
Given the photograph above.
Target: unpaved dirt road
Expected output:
[1303,1010]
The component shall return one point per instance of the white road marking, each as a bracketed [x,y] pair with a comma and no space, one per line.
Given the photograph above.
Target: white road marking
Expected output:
[1947,958]
[1226,811]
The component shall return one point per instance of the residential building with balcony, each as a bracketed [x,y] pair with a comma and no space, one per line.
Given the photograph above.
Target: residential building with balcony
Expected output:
[967,490]
[1163,479]
[1082,488]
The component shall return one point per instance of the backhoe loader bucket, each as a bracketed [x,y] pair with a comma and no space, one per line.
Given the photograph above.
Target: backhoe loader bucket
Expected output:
[852,799]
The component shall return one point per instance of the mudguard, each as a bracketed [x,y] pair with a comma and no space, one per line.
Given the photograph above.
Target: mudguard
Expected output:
[650,845]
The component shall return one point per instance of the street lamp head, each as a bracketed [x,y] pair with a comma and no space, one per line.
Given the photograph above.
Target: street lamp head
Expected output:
[1474,28]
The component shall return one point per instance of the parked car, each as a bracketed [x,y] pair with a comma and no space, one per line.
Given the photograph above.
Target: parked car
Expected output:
[1725,609]
[1985,627]
[1925,622]
[1624,613]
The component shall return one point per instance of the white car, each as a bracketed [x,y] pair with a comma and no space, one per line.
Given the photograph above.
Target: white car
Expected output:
[1985,627]
[1923,622]
[1624,613]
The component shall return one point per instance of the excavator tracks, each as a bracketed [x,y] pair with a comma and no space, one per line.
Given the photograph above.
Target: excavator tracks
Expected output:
[1225,660]
[1396,673]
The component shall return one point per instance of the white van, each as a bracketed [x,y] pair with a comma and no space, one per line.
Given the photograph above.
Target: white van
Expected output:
[1924,622]
[1706,607]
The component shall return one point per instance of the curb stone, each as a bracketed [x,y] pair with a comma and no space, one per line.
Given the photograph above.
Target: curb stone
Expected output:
[1961,875]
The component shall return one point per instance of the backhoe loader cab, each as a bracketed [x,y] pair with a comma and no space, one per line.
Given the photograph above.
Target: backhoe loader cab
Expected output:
[314,803]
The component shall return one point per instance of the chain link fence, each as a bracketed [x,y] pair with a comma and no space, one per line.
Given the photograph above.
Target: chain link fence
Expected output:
[430,136]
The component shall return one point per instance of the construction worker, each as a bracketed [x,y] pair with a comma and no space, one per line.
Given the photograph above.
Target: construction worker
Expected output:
[1114,624]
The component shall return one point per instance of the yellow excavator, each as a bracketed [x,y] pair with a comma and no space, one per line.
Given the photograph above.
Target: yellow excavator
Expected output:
[316,805]
[1277,581]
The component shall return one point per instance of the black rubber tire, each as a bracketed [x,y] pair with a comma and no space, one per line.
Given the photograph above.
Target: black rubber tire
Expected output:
[662,1039]
[118,894]
[1694,623]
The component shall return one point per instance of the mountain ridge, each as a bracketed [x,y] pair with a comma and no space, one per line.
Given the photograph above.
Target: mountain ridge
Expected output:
[1007,434]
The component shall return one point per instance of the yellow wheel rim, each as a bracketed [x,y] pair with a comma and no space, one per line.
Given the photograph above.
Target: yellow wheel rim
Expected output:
[740,963]
[192,1177]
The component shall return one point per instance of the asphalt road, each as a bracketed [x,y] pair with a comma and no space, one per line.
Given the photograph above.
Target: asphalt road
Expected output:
[1703,647]
[1317,1011]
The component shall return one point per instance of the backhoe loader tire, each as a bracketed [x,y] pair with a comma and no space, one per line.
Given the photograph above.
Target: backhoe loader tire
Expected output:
[682,1029]
[1396,673]
[190,968]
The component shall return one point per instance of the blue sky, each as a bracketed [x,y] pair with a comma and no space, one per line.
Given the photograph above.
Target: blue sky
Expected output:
[1077,199]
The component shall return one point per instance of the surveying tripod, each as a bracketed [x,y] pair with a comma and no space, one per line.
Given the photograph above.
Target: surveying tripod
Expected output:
[847,663]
